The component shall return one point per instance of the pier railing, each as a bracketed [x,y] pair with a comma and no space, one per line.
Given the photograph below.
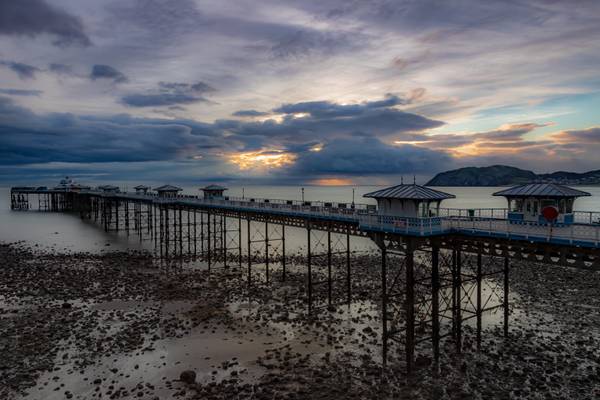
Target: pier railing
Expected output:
[574,234]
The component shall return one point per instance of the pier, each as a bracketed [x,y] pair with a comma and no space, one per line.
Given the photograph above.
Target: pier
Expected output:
[439,267]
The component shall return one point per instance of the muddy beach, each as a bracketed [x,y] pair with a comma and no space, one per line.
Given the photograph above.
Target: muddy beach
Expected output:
[122,325]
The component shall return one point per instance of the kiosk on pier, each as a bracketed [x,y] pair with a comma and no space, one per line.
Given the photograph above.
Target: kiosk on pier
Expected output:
[526,203]
[410,200]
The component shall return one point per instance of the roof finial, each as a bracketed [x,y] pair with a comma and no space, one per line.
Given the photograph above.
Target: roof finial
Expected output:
[402,179]
[414,179]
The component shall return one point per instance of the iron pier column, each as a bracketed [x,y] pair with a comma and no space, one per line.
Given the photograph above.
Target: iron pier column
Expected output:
[410,306]
[458,302]
[309,267]
[384,335]
[348,282]
[506,293]
[478,304]
[435,302]
[249,251]
[329,283]
[267,248]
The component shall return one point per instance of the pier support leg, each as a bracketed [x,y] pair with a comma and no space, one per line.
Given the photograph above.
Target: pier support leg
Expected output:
[189,232]
[208,215]
[309,267]
[240,242]
[249,251]
[435,303]
[202,235]
[348,276]
[458,310]
[384,314]
[180,233]
[329,277]
[478,311]
[410,307]
[167,232]
[127,217]
[223,225]
[283,260]
[267,250]
[506,294]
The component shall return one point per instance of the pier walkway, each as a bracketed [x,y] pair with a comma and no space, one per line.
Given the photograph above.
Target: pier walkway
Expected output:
[487,222]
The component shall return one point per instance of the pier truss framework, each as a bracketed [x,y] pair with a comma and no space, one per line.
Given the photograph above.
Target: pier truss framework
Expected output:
[431,287]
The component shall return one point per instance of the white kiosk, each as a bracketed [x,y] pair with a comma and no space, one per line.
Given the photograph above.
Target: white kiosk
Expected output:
[213,192]
[526,202]
[168,191]
[413,201]
[141,189]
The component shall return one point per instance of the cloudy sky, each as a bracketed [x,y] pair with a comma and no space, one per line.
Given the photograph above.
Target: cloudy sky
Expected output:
[307,91]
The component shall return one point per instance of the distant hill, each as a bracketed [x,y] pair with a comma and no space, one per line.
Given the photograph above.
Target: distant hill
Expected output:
[503,175]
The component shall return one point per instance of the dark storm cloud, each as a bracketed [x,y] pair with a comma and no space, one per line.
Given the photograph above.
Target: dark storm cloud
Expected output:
[160,99]
[178,87]
[20,92]
[167,20]
[445,18]
[249,113]
[507,137]
[304,42]
[170,94]
[29,138]
[101,71]
[60,69]
[590,136]
[325,120]
[26,137]
[368,156]
[320,109]
[511,133]
[36,17]
[24,71]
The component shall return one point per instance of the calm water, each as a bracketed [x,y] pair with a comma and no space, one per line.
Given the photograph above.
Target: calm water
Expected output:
[68,232]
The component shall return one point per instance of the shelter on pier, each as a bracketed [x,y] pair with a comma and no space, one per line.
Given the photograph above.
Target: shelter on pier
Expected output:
[68,184]
[141,189]
[213,191]
[109,188]
[410,200]
[168,191]
[528,202]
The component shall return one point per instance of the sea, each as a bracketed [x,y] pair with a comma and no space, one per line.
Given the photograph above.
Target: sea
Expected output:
[66,232]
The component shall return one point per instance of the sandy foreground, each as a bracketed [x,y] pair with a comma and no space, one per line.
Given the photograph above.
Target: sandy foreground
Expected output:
[121,325]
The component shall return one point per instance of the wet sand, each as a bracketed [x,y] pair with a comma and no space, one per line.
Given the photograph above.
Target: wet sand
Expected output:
[121,325]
